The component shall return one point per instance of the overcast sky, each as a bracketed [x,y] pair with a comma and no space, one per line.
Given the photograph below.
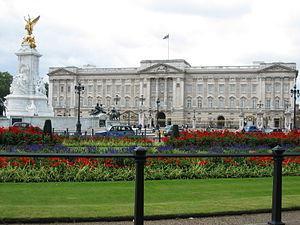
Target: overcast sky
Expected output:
[121,33]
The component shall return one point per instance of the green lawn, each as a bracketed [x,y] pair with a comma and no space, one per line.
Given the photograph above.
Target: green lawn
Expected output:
[111,199]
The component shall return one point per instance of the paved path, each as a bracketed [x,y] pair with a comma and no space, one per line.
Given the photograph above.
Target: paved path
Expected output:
[290,218]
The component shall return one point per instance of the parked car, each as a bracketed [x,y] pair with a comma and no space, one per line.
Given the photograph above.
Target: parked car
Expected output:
[25,126]
[251,129]
[21,124]
[168,130]
[116,131]
[272,130]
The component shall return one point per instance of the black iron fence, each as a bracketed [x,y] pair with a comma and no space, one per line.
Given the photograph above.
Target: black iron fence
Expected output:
[140,158]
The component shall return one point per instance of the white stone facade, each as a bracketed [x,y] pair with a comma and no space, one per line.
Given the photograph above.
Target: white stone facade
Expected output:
[201,96]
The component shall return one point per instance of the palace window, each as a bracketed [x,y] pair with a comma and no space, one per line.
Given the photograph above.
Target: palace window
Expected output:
[231,102]
[136,102]
[107,102]
[277,87]
[189,88]
[254,88]
[210,102]
[286,103]
[99,88]
[244,88]
[170,102]
[189,103]
[90,88]
[210,88]
[199,103]
[268,103]
[221,89]
[276,103]
[254,103]
[61,88]
[127,102]
[127,89]
[232,88]
[90,101]
[99,100]
[268,87]
[61,101]
[55,102]
[286,88]
[68,101]
[137,89]
[118,89]
[199,88]
[69,88]
[108,89]
[221,103]
[243,102]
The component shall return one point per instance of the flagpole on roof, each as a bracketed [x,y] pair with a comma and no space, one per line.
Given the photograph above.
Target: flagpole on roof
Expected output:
[168,37]
[168,47]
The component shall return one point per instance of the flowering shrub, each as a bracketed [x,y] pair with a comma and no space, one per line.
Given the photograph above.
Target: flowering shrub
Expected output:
[57,169]
[228,139]
[21,136]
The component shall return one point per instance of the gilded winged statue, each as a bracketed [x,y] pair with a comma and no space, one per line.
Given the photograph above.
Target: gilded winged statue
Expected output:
[30,23]
[29,38]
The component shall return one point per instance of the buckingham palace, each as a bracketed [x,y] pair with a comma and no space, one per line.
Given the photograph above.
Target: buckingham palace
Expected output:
[174,92]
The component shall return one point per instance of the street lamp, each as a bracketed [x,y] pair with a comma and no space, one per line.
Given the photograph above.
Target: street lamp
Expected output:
[142,99]
[141,115]
[295,93]
[157,106]
[116,99]
[260,105]
[78,89]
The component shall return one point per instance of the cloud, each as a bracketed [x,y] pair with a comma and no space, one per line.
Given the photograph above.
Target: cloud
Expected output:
[208,9]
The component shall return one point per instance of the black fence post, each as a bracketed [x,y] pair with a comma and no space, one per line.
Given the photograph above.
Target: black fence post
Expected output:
[140,159]
[277,186]
[159,136]
[92,132]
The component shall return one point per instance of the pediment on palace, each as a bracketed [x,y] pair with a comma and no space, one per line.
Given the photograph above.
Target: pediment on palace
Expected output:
[161,68]
[61,71]
[277,68]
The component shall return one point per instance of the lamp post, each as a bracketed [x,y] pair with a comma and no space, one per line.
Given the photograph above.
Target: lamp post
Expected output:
[157,106]
[141,115]
[117,99]
[78,89]
[295,93]
[260,105]
[142,99]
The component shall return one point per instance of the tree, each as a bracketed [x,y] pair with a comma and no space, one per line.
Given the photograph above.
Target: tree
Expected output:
[47,88]
[5,82]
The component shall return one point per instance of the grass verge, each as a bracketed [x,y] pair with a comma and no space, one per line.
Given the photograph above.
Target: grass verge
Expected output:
[27,201]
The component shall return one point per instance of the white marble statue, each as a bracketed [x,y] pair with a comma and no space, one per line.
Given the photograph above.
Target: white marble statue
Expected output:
[40,87]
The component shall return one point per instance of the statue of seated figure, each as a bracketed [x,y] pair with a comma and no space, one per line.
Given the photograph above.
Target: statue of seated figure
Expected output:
[98,109]
[114,114]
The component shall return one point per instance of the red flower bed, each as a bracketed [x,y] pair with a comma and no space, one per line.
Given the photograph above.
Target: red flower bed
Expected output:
[25,136]
[227,138]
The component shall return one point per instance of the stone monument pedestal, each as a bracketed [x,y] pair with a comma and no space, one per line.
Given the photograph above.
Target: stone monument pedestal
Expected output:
[27,92]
